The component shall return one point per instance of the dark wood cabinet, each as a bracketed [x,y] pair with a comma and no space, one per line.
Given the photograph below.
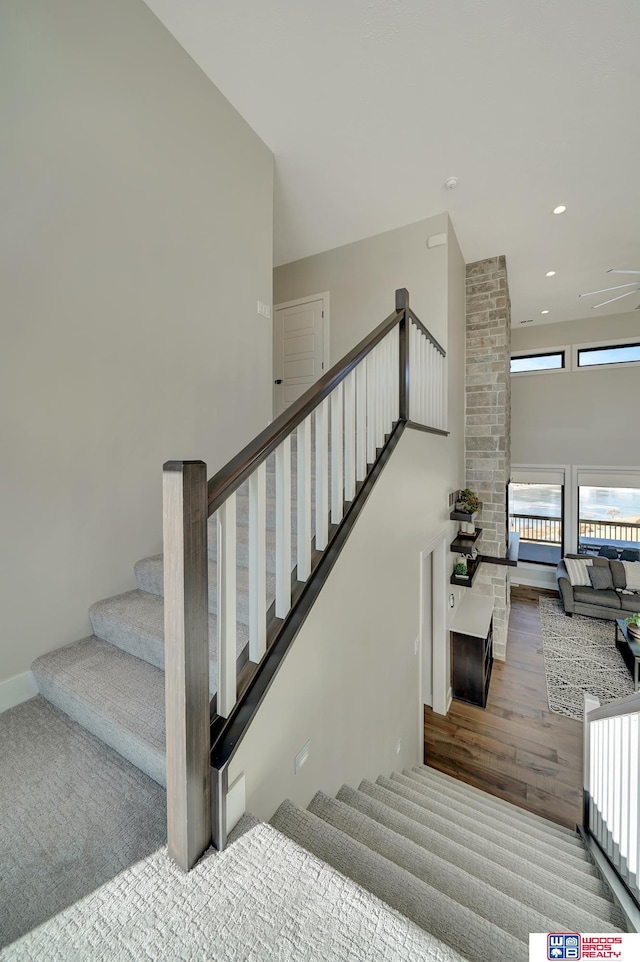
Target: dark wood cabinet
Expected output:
[472,661]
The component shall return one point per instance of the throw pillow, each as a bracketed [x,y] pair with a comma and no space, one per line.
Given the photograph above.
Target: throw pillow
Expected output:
[600,577]
[632,574]
[618,575]
[577,569]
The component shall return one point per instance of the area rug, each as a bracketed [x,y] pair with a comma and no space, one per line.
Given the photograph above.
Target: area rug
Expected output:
[580,655]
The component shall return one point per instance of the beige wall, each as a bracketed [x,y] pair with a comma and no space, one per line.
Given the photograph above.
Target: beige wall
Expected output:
[350,682]
[136,238]
[362,279]
[576,417]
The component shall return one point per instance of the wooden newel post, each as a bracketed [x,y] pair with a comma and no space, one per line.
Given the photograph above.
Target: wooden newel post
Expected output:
[402,304]
[186,641]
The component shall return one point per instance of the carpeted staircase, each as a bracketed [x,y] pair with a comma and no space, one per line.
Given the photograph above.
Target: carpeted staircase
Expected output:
[418,866]
[415,866]
[112,683]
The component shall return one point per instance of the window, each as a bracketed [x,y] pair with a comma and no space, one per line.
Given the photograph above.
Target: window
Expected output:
[611,354]
[608,517]
[535,513]
[527,363]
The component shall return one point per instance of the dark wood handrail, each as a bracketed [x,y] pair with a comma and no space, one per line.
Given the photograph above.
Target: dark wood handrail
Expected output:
[236,471]
[416,320]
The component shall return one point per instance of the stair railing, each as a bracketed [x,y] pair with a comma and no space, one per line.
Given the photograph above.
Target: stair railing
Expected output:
[611,798]
[352,417]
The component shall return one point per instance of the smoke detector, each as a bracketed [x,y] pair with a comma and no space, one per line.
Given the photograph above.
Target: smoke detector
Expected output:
[451,183]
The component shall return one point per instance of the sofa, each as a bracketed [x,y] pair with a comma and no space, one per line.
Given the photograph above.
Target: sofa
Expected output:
[611,603]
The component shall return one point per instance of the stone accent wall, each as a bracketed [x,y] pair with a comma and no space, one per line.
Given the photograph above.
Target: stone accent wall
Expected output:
[488,426]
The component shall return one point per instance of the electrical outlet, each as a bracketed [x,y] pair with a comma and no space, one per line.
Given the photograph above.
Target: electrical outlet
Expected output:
[264,310]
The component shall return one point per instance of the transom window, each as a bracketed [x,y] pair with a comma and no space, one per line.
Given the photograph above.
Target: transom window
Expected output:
[618,354]
[543,361]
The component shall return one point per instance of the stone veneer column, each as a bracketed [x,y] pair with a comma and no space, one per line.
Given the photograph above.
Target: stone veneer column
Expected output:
[488,426]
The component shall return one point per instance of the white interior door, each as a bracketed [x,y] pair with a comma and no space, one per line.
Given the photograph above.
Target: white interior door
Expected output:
[299,349]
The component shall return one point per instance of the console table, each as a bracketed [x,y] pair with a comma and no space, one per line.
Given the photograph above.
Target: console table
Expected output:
[472,649]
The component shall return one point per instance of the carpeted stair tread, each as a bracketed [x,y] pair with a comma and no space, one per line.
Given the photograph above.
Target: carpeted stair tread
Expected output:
[134,621]
[510,825]
[502,910]
[460,852]
[500,805]
[150,578]
[497,835]
[264,897]
[464,931]
[116,697]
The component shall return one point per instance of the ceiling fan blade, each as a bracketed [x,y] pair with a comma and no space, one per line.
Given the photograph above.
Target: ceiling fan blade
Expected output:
[612,299]
[605,290]
[613,271]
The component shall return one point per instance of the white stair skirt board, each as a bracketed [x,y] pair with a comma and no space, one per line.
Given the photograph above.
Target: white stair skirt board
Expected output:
[15,690]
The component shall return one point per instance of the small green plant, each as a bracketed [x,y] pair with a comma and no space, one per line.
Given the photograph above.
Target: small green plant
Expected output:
[468,502]
[633,619]
[460,569]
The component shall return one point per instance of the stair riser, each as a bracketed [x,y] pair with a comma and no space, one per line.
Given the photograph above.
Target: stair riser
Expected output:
[473,893]
[459,852]
[151,762]
[511,824]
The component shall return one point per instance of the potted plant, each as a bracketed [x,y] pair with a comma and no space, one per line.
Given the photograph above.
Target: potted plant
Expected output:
[460,570]
[468,502]
[633,624]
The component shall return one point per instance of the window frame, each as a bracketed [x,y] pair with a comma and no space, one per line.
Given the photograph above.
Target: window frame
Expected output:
[564,350]
[618,342]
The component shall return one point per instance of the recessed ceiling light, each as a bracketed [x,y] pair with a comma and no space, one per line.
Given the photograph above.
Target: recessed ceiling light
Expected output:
[560,209]
[550,274]
[544,312]
[451,183]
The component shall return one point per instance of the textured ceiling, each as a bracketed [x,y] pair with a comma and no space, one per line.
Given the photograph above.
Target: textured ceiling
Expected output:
[369,105]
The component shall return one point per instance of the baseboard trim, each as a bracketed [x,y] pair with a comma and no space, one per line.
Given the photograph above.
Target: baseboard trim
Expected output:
[15,690]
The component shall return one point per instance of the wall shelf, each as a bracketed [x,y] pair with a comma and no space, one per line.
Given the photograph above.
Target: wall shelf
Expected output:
[463,515]
[463,542]
[473,568]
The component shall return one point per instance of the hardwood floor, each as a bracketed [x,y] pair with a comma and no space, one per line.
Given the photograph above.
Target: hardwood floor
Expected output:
[515,747]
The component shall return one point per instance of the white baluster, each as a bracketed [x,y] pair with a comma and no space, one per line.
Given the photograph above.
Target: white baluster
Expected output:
[414,374]
[371,423]
[427,380]
[633,858]
[304,500]
[616,725]
[322,468]
[226,566]
[378,394]
[283,528]
[624,789]
[350,437]
[610,780]
[337,483]
[257,563]
[388,380]
[361,420]
[430,400]
[395,382]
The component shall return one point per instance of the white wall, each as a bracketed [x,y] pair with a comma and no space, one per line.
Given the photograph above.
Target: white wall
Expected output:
[135,240]
[362,279]
[350,682]
[576,417]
